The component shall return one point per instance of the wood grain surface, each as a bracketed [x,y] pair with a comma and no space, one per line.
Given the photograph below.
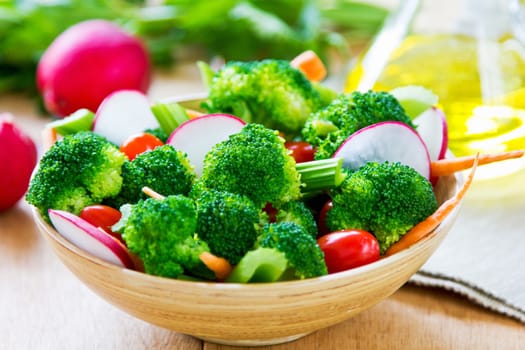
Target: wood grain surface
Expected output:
[43,306]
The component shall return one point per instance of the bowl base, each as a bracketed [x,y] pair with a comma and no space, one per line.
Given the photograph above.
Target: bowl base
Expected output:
[253,342]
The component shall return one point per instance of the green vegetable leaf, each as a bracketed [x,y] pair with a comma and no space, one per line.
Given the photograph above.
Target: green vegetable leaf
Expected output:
[232,29]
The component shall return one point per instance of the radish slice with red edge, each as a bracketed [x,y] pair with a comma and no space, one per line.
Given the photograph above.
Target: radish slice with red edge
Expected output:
[431,125]
[91,239]
[197,136]
[390,141]
[122,114]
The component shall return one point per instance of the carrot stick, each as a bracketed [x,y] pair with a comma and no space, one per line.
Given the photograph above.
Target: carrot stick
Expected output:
[311,65]
[193,113]
[49,137]
[220,266]
[150,192]
[451,165]
[426,226]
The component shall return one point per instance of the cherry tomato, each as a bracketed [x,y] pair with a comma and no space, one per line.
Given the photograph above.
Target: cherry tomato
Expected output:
[139,143]
[301,151]
[102,216]
[347,249]
[321,220]
[271,211]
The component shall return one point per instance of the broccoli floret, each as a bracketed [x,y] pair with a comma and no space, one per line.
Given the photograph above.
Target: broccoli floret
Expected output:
[387,199]
[162,234]
[270,92]
[164,169]
[158,133]
[305,257]
[228,222]
[79,170]
[255,163]
[329,127]
[297,212]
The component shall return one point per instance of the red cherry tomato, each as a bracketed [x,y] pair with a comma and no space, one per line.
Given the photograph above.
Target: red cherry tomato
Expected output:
[271,211]
[347,249]
[301,151]
[102,216]
[137,144]
[321,220]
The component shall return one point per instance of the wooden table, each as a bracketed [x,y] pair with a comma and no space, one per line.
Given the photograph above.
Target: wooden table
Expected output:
[43,306]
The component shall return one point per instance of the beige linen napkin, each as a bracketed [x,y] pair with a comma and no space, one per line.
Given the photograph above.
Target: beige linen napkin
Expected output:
[483,256]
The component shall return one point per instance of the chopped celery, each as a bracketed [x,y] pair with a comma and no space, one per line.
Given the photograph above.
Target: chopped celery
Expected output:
[81,120]
[259,265]
[169,115]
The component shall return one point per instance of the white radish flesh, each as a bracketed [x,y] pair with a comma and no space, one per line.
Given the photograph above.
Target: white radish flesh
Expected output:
[197,136]
[386,141]
[91,239]
[122,114]
[431,125]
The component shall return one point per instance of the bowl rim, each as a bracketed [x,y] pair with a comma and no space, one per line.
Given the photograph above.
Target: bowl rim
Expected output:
[51,233]
[195,98]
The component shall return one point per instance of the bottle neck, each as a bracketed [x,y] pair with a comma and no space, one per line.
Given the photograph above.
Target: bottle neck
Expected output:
[517,18]
[488,18]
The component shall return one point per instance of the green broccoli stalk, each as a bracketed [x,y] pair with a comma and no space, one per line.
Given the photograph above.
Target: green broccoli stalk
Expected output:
[162,234]
[319,175]
[387,199]
[305,257]
[270,92]
[255,163]
[265,264]
[331,125]
[79,170]
[259,265]
[164,169]
[228,222]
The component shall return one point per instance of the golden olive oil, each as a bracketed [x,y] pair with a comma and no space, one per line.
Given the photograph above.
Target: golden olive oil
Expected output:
[481,86]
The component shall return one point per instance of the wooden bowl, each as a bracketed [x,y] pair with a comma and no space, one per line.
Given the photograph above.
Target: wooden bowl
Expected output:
[250,314]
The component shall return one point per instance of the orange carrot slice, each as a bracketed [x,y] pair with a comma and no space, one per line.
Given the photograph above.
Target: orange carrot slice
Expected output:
[49,137]
[193,113]
[311,65]
[220,266]
[426,226]
[451,165]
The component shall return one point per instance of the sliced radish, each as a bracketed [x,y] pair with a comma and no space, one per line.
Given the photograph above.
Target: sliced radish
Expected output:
[124,113]
[91,239]
[386,141]
[198,135]
[432,127]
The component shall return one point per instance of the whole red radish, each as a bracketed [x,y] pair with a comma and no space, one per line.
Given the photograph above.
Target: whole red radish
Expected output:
[87,62]
[17,160]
